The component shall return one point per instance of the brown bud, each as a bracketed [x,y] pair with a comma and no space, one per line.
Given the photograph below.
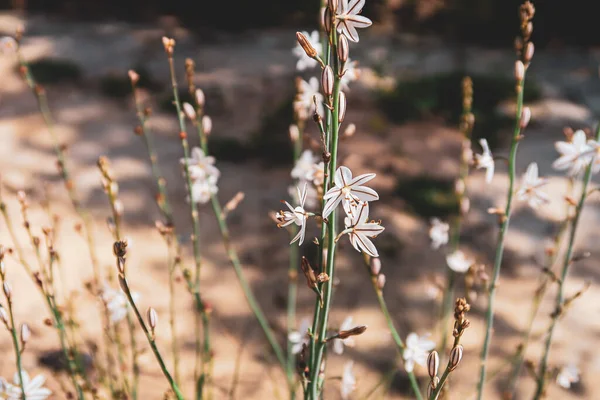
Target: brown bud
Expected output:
[309,273]
[322,277]
[341,107]
[375,266]
[120,248]
[152,318]
[343,49]
[525,117]
[327,81]
[519,71]
[133,76]
[182,135]
[357,330]
[433,364]
[455,357]
[305,44]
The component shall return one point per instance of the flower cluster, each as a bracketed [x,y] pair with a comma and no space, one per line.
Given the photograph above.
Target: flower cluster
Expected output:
[116,303]
[203,174]
[577,154]
[34,388]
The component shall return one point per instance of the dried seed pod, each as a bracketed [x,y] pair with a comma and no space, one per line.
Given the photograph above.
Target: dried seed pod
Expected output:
[341,107]
[152,318]
[327,80]
[455,357]
[343,48]
[357,330]
[525,117]
[206,125]
[25,334]
[189,111]
[375,266]
[306,45]
[309,273]
[433,364]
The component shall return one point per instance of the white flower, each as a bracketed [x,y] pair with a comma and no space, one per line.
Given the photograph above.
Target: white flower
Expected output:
[116,302]
[338,344]
[203,189]
[351,74]
[297,215]
[305,164]
[304,102]
[348,381]
[530,188]
[34,389]
[416,351]
[485,160]
[317,174]
[438,232]
[458,262]
[300,337]
[8,45]
[305,61]
[200,165]
[575,155]
[568,375]
[347,18]
[359,229]
[347,188]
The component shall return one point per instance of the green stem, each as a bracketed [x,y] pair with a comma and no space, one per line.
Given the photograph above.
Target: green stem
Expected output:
[15,339]
[151,341]
[560,297]
[501,236]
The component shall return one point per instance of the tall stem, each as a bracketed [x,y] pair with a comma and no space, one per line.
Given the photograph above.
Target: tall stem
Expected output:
[15,339]
[501,237]
[560,296]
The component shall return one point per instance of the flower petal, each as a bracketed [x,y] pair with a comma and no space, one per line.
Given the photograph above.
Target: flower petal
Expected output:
[366,245]
[361,179]
[343,176]
[332,204]
[371,229]
[365,193]
[358,21]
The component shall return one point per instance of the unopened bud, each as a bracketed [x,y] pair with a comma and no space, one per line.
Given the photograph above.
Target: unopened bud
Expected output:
[380,281]
[343,49]
[309,273]
[152,318]
[529,50]
[341,107]
[326,19]
[169,45]
[357,330]
[519,71]
[455,357]
[206,125]
[306,45]
[234,202]
[465,205]
[294,133]
[333,5]
[433,364]
[7,290]
[327,80]
[375,266]
[525,117]
[133,76]
[119,209]
[200,98]
[25,334]
[350,130]
[189,111]
[3,315]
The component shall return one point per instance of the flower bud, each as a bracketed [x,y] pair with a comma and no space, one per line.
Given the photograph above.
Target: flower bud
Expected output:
[25,334]
[380,281]
[233,203]
[294,133]
[326,20]
[7,290]
[206,125]
[357,330]
[375,266]
[3,315]
[189,111]
[305,44]
[341,107]
[343,48]
[519,71]
[333,5]
[525,117]
[133,76]
[529,50]
[350,130]
[200,99]
[152,318]
[433,364]
[327,81]
[119,209]
[455,357]
[169,45]
[309,273]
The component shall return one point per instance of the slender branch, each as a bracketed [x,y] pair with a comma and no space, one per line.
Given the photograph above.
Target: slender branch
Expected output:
[13,330]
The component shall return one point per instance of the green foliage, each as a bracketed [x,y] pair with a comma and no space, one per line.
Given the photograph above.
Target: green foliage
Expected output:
[429,197]
[49,71]
[118,86]
[441,96]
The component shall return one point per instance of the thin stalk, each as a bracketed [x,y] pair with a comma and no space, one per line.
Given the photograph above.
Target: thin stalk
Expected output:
[15,339]
[440,386]
[501,237]
[151,341]
[560,296]
[172,261]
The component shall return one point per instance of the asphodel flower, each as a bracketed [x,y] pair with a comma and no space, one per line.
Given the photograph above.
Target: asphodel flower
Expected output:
[347,18]
[348,188]
[296,215]
[359,229]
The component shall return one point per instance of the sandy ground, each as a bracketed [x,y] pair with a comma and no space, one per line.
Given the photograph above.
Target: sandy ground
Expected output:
[249,73]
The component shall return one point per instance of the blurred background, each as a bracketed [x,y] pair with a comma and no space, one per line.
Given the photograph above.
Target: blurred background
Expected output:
[406,106]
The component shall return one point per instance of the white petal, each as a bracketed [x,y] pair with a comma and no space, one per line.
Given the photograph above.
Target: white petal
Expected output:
[361,179]
[365,193]
[359,21]
[366,245]
[371,229]
[338,346]
[343,176]
[332,204]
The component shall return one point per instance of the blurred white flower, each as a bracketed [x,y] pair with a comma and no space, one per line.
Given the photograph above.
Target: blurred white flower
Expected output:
[8,45]
[304,99]
[304,61]
[297,215]
[116,302]
[34,389]
[200,165]
[348,381]
[347,18]
[203,189]
[485,161]
[568,375]
[458,262]
[438,232]
[359,229]
[317,174]
[305,164]
[300,337]
[338,344]
[530,187]
[351,74]
[574,155]
[347,188]
[312,196]
[416,351]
